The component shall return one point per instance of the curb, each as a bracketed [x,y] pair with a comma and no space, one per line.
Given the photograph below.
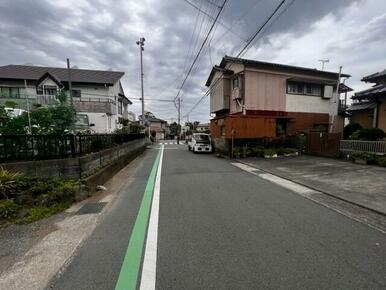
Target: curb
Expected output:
[316,189]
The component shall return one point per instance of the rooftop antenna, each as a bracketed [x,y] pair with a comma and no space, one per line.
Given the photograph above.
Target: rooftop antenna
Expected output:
[323,61]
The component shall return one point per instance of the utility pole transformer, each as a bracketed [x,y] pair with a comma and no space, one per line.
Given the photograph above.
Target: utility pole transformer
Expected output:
[141,43]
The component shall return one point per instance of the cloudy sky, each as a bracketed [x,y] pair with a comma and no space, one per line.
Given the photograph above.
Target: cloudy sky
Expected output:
[102,34]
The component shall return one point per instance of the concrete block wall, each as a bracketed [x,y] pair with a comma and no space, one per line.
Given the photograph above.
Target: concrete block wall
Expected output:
[79,167]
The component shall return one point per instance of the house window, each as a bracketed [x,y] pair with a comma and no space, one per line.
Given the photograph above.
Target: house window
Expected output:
[10,93]
[304,89]
[50,91]
[222,130]
[120,107]
[236,82]
[5,92]
[76,94]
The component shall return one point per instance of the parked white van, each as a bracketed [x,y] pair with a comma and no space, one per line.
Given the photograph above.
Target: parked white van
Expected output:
[200,142]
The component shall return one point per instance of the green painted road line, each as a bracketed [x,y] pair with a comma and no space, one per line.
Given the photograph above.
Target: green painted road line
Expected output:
[130,267]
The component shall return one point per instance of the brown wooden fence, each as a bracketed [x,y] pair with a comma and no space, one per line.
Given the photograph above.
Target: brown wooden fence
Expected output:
[324,144]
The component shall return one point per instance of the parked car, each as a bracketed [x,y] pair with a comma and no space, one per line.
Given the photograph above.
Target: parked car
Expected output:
[200,142]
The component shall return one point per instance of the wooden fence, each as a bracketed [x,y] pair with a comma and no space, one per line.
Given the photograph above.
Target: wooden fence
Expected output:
[323,144]
[348,146]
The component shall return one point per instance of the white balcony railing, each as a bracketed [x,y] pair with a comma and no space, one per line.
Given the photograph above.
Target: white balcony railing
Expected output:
[46,99]
[365,146]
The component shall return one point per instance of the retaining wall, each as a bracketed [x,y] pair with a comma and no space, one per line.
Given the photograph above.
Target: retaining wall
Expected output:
[81,167]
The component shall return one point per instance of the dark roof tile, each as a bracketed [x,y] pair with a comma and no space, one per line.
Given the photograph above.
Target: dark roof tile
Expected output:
[26,72]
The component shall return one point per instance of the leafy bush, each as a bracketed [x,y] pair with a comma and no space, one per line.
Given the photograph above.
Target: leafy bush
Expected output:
[29,191]
[371,134]
[286,150]
[8,209]
[280,151]
[290,150]
[355,135]
[7,183]
[381,160]
[350,129]
[258,151]
[237,151]
[369,157]
[269,152]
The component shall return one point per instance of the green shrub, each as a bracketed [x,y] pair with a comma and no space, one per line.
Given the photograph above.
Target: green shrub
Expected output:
[8,209]
[290,150]
[280,151]
[371,134]
[64,191]
[258,151]
[350,129]
[381,160]
[269,152]
[369,157]
[355,135]
[237,151]
[7,183]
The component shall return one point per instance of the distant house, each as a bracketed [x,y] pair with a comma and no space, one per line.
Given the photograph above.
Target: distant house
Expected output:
[98,96]
[254,99]
[159,126]
[369,106]
[202,128]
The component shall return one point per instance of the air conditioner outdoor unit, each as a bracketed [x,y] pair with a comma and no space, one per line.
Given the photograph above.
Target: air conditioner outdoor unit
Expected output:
[328,92]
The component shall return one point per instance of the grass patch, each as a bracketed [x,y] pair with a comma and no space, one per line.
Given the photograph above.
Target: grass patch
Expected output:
[26,199]
[40,212]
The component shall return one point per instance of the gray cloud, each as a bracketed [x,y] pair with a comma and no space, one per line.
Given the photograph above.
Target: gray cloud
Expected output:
[98,34]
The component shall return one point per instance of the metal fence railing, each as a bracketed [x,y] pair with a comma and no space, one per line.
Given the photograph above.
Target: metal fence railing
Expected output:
[41,147]
[365,146]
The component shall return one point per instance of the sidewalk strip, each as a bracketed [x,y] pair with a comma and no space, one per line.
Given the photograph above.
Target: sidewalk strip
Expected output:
[148,276]
[128,275]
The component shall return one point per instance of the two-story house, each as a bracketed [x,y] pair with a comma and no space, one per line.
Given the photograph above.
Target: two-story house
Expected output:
[98,96]
[252,99]
[154,124]
[369,106]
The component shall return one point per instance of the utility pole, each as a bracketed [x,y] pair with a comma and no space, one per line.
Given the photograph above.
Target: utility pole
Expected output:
[69,82]
[28,109]
[141,43]
[336,101]
[323,61]
[179,119]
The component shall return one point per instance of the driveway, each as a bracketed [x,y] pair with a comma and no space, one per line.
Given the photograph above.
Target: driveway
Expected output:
[364,185]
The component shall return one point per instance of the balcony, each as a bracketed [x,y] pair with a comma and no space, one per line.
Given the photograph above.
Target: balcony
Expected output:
[46,99]
[95,105]
[342,107]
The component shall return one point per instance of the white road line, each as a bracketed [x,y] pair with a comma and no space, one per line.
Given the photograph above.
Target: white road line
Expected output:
[287,184]
[245,167]
[303,190]
[149,266]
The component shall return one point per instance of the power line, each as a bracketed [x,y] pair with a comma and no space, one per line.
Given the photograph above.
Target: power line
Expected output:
[243,50]
[211,17]
[200,50]
[261,28]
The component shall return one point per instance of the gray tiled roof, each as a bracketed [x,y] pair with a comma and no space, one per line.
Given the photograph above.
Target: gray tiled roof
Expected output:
[362,106]
[26,72]
[372,92]
[375,76]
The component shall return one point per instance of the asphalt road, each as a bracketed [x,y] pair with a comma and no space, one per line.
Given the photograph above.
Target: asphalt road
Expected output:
[220,227]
